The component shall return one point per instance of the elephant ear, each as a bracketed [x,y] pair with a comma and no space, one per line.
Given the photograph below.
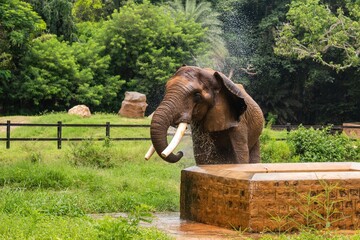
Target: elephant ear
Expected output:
[228,107]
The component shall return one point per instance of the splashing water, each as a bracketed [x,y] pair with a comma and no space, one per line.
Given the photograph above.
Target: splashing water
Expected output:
[206,152]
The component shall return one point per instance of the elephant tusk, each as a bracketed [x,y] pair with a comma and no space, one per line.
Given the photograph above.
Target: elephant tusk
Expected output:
[150,152]
[175,141]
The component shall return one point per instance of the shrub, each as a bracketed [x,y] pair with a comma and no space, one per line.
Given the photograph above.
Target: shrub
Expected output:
[272,150]
[275,152]
[312,145]
[88,153]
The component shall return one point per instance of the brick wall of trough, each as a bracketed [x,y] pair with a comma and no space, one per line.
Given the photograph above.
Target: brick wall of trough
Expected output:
[271,204]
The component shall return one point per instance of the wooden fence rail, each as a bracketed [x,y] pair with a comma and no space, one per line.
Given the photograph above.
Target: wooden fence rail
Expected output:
[59,125]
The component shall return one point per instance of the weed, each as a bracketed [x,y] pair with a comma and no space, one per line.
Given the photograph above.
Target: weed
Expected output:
[312,210]
[281,222]
[126,227]
[328,213]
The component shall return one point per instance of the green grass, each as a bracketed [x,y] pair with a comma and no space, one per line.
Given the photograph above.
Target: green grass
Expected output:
[46,193]
[60,187]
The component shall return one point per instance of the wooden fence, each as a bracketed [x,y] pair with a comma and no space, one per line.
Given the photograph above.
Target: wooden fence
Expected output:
[59,125]
[59,138]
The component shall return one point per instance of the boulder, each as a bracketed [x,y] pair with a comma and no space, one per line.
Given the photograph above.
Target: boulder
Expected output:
[80,110]
[352,129]
[134,105]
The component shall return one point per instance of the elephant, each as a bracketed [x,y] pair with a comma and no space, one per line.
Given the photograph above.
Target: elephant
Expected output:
[226,122]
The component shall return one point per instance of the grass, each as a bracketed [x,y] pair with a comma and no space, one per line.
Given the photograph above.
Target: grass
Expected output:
[46,193]
[59,188]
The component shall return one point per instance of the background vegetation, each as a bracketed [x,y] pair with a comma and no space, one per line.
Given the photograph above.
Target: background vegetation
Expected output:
[299,59]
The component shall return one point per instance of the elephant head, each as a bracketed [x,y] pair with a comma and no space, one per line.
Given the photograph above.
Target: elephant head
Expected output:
[194,96]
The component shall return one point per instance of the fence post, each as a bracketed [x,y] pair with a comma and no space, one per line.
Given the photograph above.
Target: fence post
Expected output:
[288,127]
[8,134]
[107,129]
[59,133]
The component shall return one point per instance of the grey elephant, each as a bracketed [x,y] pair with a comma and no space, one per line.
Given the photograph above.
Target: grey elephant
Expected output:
[225,121]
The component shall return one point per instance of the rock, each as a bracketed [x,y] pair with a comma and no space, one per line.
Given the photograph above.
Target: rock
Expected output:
[134,105]
[80,110]
[352,129]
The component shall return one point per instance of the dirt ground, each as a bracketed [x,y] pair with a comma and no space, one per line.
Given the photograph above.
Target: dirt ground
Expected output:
[15,119]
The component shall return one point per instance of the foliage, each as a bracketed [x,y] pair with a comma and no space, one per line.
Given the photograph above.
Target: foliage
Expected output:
[57,75]
[88,10]
[273,150]
[98,86]
[276,152]
[50,73]
[319,146]
[125,228]
[144,42]
[146,45]
[19,24]
[204,14]
[89,154]
[58,17]
[275,83]
[87,71]
[297,90]
[317,32]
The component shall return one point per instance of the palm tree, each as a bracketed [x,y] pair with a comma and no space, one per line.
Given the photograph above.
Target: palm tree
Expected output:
[203,14]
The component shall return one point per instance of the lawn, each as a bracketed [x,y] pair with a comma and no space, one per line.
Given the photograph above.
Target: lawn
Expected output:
[46,193]
[42,186]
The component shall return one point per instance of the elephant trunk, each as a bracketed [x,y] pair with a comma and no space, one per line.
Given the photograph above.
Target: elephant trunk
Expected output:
[161,121]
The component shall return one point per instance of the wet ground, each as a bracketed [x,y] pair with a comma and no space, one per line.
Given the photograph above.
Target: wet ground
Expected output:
[183,229]
[171,224]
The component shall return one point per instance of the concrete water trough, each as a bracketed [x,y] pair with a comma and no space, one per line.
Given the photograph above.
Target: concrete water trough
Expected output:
[272,197]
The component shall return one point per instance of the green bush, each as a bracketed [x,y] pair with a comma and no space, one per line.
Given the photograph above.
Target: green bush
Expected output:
[272,150]
[88,153]
[275,152]
[312,145]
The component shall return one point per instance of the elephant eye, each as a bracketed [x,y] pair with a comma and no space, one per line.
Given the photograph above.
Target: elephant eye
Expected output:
[197,97]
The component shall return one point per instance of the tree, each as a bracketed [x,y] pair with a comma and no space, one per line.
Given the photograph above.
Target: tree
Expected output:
[273,82]
[49,75]
[146,45]
[92,10]
[208,18]
[19,24]
[97,86]
[58,17]
[296,90]
[315,31]
[87,10]
[57,75]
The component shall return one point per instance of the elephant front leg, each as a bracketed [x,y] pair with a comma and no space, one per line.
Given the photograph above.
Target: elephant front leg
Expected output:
[226,148]
[239,142]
